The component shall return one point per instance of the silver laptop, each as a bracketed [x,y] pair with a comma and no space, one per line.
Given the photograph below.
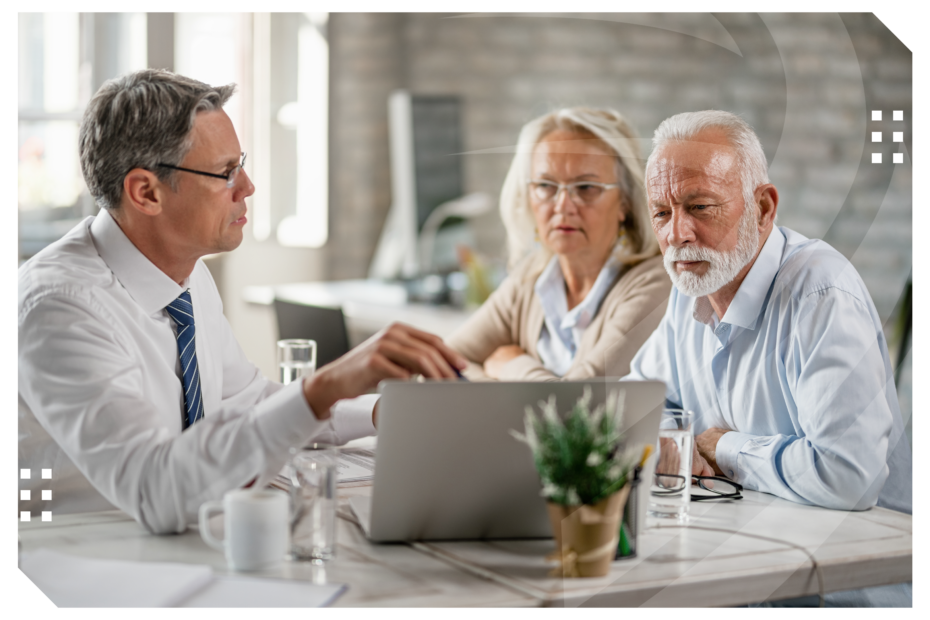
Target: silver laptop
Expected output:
[447,467]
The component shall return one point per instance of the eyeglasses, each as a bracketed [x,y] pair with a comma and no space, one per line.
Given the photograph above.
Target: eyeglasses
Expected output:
[229,177]
[716,487]
[581,192]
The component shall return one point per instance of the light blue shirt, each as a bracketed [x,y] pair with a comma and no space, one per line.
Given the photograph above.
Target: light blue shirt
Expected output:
[798,368]
[562,328]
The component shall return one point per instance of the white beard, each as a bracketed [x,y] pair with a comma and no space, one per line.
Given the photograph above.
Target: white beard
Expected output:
[722,266]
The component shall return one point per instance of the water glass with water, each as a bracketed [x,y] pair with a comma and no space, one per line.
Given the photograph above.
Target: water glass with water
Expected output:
[670,493]
[296,359]
[313,472]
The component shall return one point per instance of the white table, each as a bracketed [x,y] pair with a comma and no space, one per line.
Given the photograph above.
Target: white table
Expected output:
[368,305]
[676,566]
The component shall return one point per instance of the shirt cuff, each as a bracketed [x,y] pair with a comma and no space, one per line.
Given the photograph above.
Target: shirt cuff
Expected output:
[728,448]
[286,418]
[352,417]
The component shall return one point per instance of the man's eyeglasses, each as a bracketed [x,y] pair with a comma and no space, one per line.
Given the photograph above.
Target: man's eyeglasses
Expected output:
[229,177]
[581,192]
[715,487]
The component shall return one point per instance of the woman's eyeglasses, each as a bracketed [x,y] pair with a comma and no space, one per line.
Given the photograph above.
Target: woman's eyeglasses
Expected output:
[581,192]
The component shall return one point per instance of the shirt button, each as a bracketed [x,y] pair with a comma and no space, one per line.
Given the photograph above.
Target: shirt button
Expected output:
[730,473]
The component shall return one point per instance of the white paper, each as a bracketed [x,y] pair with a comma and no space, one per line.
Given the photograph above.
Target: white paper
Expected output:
[241,591]
[72,581]
[353,464]
[356,464]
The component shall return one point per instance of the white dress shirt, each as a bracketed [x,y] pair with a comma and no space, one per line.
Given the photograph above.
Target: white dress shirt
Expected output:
[562,328]
[101,396]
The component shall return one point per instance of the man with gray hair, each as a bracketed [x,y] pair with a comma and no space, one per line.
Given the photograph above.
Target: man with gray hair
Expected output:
[132,388]
[769,337]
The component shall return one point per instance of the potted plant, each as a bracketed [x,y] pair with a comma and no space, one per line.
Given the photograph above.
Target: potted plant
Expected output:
[585,472]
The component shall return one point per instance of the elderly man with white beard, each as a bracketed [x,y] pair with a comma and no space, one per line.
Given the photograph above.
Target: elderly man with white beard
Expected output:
[771,338]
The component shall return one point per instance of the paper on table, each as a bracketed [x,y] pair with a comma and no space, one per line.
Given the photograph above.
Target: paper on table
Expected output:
[236,591]
[71,581]
[355,465]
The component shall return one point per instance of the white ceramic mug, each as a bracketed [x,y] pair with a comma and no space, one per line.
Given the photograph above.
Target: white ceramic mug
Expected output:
[256,528]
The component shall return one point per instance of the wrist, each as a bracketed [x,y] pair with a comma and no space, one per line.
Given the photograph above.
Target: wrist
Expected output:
[319,392]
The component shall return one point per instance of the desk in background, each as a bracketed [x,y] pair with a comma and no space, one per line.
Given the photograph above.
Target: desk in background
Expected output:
[368,305]
[676,567]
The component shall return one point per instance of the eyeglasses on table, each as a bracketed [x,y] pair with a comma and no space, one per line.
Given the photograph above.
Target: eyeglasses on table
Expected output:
[715,487]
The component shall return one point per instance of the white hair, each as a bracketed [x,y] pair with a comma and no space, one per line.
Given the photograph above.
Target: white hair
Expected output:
[751,162]
[610,128]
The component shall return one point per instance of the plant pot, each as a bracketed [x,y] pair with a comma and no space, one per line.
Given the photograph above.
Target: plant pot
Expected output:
[586,536]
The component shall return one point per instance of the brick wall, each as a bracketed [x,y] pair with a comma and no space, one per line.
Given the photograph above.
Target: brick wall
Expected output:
[806,82]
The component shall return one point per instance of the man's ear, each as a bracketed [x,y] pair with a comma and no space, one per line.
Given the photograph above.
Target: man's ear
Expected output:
[767,199]
[143,192]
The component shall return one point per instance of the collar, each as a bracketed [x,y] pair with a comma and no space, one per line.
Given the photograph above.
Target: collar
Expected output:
[148,285]
[746,306]
[550,288]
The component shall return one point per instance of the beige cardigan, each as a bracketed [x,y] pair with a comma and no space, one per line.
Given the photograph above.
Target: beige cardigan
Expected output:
[513,314]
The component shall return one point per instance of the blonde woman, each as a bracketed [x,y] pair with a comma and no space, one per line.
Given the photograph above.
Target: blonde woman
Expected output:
[586,286]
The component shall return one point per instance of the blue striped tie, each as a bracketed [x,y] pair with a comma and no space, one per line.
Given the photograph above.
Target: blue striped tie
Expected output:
[182,311]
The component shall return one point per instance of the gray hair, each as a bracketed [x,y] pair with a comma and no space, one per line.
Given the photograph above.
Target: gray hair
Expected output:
[140,120]
[751,162]
[616,134]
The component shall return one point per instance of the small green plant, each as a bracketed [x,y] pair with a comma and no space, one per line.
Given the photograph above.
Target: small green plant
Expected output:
[581,460]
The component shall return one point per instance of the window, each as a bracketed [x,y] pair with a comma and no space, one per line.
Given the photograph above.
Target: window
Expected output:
[63,59]
[291,128]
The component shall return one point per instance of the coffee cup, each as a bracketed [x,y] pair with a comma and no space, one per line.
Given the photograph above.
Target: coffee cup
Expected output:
[256,524]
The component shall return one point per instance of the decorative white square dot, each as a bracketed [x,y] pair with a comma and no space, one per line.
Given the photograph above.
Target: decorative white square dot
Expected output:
[25,495]
[47,474]
[897,136]
[24,515]
[46,515]
[876,158]
[876,115]
[897,115]
[897,158]
[876,136]
[47,495]
[25,474]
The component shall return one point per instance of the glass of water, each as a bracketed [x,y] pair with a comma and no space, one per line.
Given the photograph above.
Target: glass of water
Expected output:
[296,359]
[314,475]
[670,493]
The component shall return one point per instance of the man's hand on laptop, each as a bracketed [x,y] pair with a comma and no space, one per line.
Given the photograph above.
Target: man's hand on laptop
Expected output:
[397,352]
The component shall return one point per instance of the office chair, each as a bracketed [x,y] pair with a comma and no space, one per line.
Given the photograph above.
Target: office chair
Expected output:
[325,325]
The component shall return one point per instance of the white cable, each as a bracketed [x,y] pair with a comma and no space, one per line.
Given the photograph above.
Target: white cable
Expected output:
[814,565]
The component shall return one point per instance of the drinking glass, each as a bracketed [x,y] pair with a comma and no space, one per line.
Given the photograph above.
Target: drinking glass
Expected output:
[313,474]
[296,359]
[670,494]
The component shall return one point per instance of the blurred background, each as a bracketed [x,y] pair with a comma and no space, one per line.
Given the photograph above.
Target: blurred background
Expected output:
[360,126]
